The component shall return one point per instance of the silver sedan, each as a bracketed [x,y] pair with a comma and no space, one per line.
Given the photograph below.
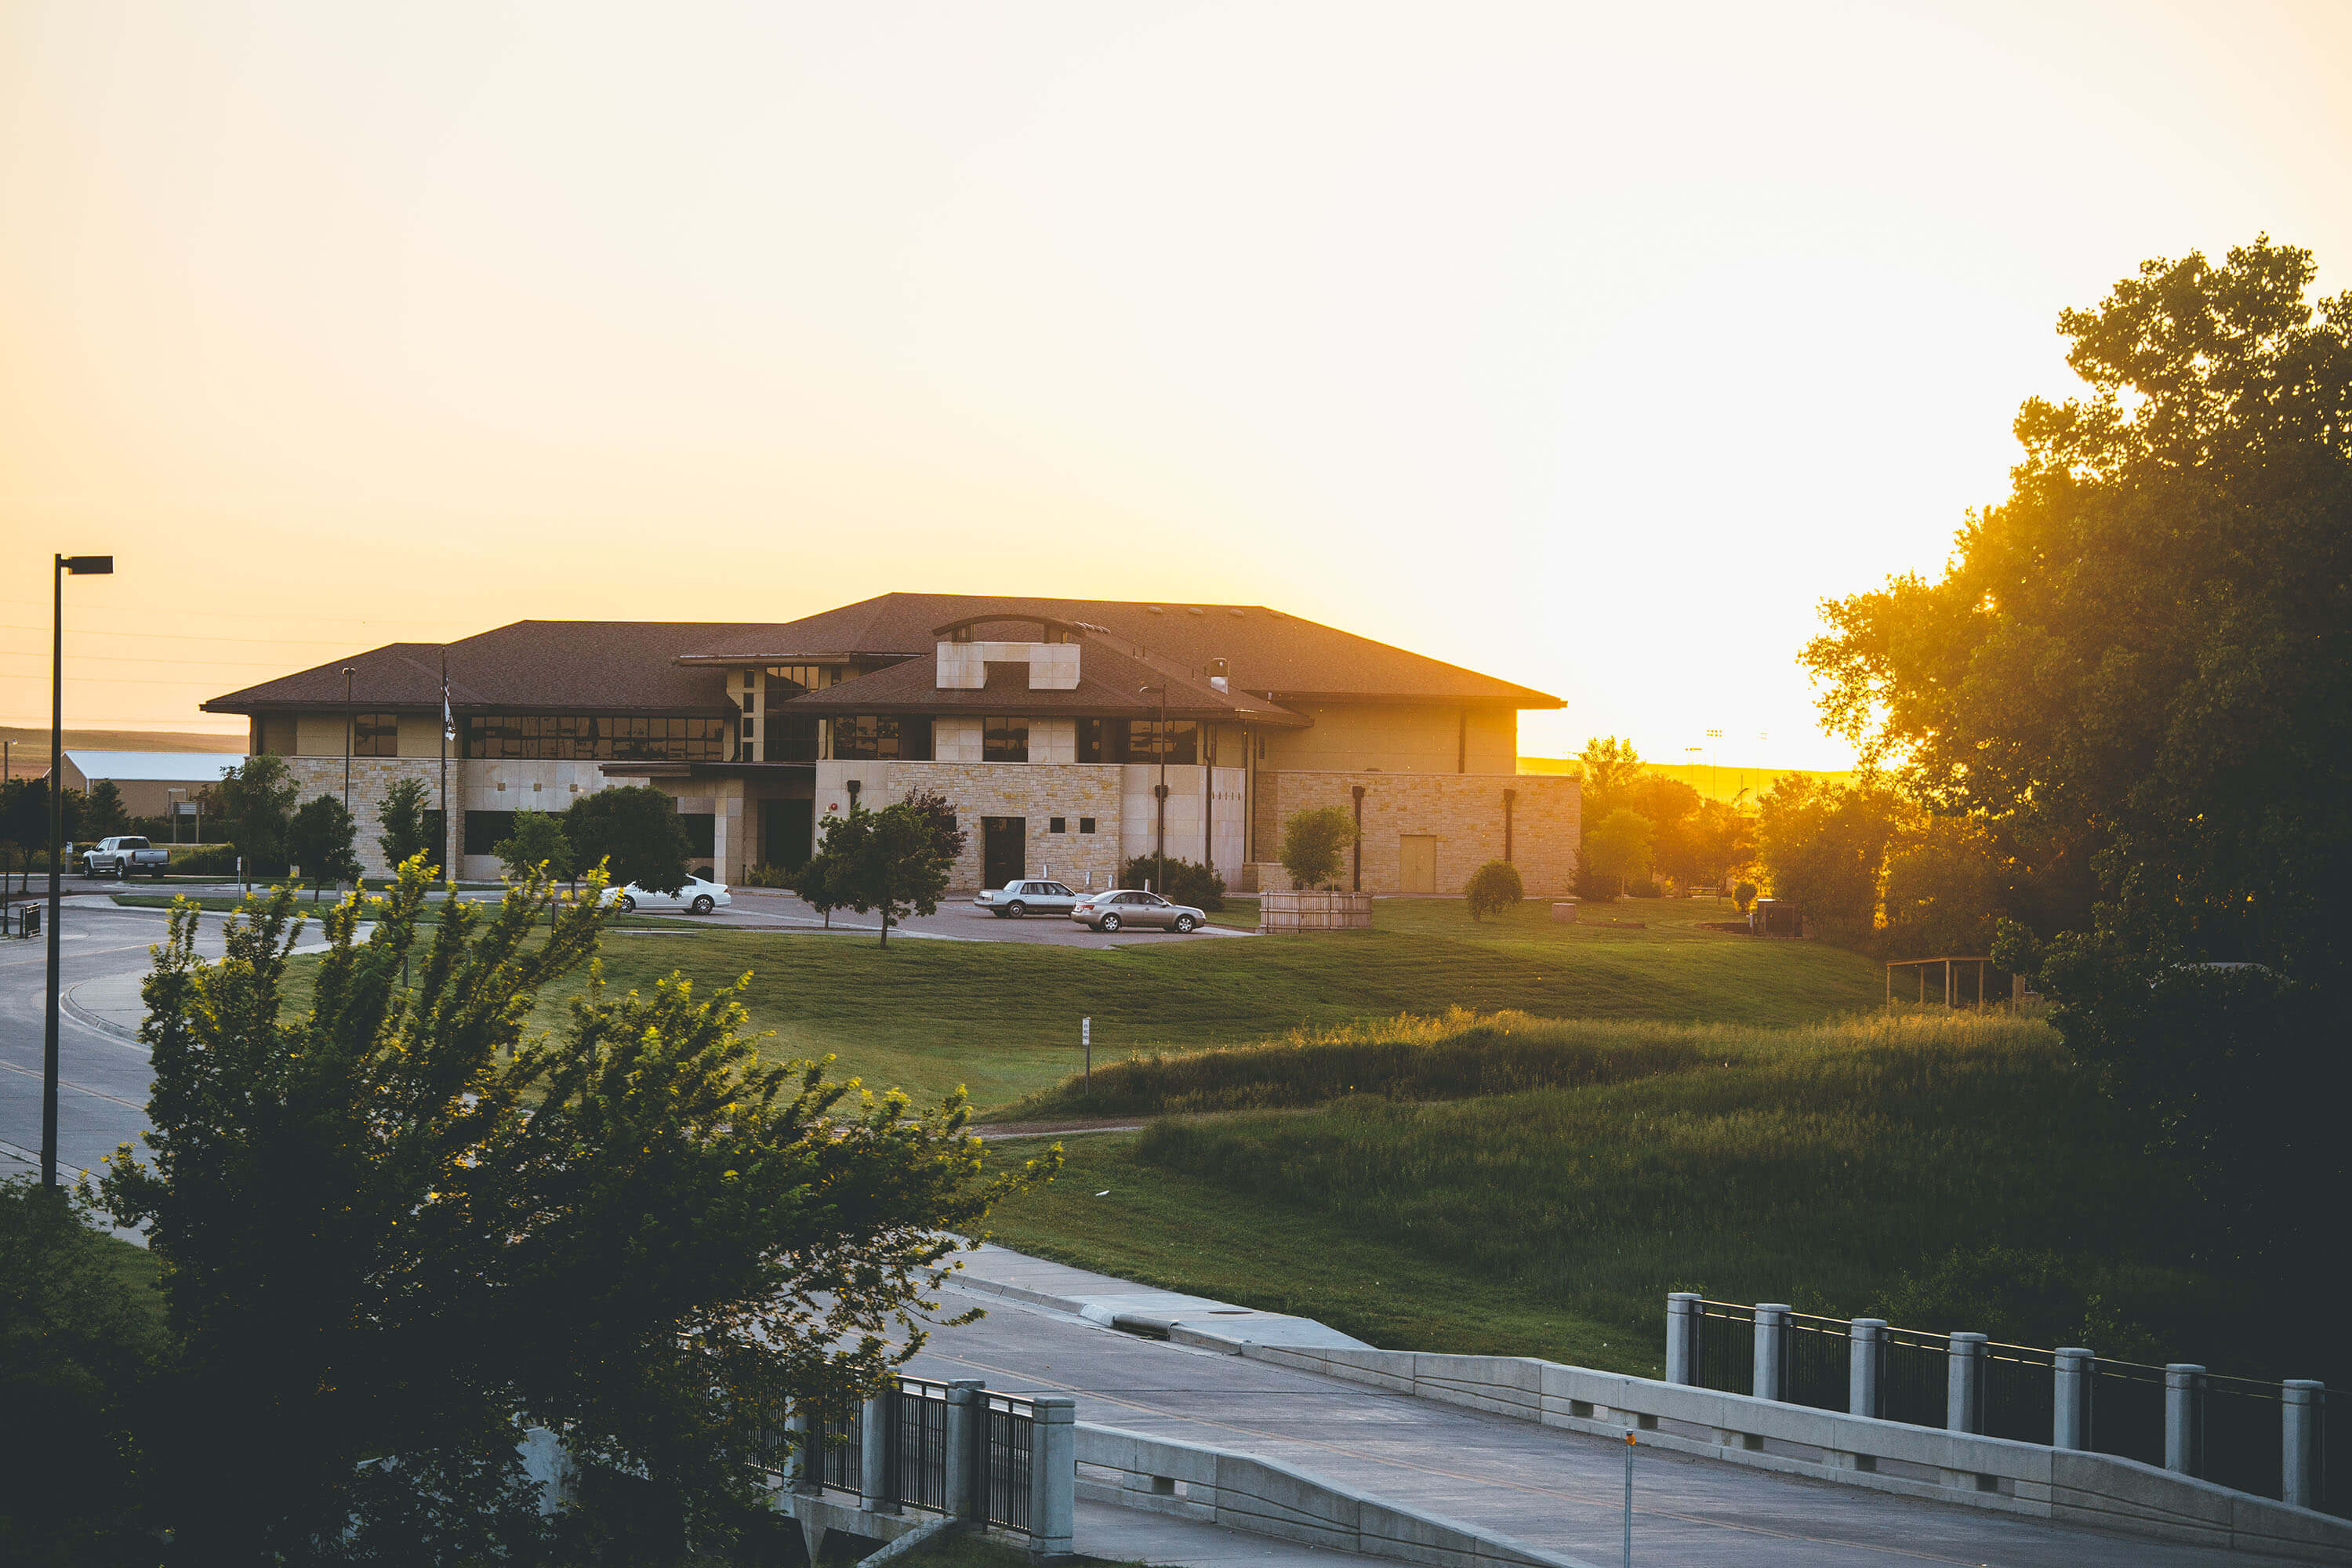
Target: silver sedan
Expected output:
[1122,908]
[1017,899]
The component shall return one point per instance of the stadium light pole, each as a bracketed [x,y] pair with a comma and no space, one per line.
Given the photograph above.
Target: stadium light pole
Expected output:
[78,567]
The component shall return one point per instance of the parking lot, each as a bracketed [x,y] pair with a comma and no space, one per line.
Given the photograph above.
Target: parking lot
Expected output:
[956,921]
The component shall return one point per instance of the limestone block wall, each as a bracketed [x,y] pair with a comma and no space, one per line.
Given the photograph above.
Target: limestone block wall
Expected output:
[1035,792]
[1464,811]
[1226,810]
[371,777]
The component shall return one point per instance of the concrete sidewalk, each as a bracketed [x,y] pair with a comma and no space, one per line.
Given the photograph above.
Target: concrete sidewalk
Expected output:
[1050,1328]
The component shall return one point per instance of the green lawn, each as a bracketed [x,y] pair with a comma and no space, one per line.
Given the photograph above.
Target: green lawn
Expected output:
[1001,1018]
[1945,1172]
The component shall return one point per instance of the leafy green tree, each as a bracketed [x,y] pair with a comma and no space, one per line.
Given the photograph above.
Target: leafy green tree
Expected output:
[1608,763]
[1617,847]
[635,832]
[259,794]
[816,882]
[939,812]
[1313,842]
[399,1230]
[102,814]
[537,847]
[24,815]
[887,860]
[1942,890]
[401,815]
[1824,848]
[320,839]
[2135,673]
[78,1336]
[1176,878]
[1494,888]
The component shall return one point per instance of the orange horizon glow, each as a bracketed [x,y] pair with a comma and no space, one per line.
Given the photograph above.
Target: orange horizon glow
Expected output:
[1585,346]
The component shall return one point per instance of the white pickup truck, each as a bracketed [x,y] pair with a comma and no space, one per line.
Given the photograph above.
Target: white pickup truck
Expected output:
[125,858]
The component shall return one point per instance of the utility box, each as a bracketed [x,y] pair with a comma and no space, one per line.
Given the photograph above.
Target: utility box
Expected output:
[1776,917]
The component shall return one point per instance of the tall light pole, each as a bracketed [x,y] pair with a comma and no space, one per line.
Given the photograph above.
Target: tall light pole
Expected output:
[80,566]
[1160,744]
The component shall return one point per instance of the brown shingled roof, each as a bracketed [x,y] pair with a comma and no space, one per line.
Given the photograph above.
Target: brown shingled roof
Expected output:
[1267,652]
[527,666]
[680,666]
[1109,682]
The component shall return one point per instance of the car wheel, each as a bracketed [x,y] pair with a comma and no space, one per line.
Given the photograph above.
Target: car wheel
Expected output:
[1183,924]
[627,906]
[1109,922]
[702,904]
[1016,909]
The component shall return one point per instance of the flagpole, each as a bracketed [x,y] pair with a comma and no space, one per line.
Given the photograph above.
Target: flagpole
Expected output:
[448,874]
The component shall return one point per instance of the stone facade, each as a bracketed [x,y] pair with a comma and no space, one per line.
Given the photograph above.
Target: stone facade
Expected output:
[1463,813]
[371,777]
[1035,792]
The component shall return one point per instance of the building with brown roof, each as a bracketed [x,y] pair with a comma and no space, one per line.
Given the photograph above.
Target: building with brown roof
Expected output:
[1071,735]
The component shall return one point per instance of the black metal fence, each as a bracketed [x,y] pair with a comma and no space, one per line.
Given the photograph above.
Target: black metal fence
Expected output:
[2020,1392]
[841,1463]
[1817,1362]
[1726,1347]
[920,1472]
[1007,1447]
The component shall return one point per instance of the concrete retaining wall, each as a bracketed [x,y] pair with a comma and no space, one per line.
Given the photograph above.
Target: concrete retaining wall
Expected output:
[2028,1478]
[1241,1492]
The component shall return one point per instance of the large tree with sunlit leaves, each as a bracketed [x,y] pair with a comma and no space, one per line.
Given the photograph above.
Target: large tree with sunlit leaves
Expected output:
[401,1228]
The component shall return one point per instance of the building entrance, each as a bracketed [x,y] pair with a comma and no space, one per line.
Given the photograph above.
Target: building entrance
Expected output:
[1004,849]
[786,828]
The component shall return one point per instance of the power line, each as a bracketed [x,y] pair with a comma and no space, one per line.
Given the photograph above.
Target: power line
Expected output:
[197,637]
[230,616]
[149,658]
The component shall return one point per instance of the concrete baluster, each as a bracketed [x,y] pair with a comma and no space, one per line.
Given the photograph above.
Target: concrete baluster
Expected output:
[1865,1357]
[803,1459]
[874,1492]
[967,1449]
[1964,1384]
[1682,1338]
[2300,1409]
[1772,1348]
[2070,1427]
[1053,1476]
[2184,1417]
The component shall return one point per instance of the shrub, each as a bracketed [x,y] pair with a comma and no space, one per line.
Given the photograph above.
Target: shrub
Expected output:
[1494,888]
[1182,881]
[768,876]
[212,861]
[1745,895]
[1645,891]
[1595,887]
[1311,843]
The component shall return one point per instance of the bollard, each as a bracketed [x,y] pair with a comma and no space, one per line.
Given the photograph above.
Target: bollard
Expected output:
[2070,1426]
[967,1442]
[1053,1476]
[1771,1347]
[2184,1417]
[1964,1384]
[2301,1401]
[875,1429]
[1866,1358]
[1682,1338]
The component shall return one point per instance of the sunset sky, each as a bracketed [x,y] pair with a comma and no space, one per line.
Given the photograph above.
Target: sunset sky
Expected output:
[1586,345]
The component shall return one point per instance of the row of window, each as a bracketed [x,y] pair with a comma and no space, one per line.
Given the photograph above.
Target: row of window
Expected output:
[574,737]
[907,739]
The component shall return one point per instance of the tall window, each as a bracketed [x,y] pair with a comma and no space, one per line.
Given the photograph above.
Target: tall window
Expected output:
[1175,741]
[567,737]
[1090,740]
[376,735]
[1004,740]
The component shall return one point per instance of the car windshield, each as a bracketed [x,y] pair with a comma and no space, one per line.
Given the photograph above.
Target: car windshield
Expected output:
[134,843]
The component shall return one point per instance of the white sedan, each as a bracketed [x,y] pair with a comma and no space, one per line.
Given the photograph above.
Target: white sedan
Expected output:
[699,896]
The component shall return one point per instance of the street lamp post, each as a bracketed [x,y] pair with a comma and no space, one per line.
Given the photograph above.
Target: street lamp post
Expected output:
[79,566]
[1159,792]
